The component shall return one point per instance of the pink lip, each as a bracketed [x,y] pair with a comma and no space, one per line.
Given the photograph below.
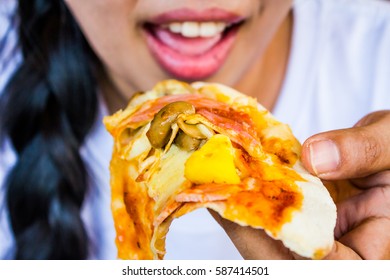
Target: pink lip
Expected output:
[212,14]
[178,56]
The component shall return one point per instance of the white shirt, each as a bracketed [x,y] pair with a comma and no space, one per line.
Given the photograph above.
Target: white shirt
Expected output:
[339,70]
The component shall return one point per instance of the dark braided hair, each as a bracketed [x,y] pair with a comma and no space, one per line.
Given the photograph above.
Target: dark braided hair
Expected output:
[47,110]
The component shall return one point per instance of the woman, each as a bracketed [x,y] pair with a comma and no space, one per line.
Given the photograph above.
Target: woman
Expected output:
[316,64]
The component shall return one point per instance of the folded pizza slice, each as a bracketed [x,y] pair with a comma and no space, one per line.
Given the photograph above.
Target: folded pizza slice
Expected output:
[179,147]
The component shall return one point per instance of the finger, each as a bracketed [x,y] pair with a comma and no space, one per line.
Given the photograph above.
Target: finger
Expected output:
[363,227]
[371,239]
[342,252]
[350,153]
[253,244]
[379,179]
[373,203]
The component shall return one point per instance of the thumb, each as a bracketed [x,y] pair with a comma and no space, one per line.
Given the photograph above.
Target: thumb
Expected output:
[350,153]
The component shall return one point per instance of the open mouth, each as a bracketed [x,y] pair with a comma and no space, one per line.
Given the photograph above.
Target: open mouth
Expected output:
[192,49]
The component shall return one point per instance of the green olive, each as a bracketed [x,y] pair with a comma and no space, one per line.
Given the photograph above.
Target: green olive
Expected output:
[160,129]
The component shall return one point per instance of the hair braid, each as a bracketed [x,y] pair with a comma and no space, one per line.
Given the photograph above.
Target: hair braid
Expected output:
[47,110]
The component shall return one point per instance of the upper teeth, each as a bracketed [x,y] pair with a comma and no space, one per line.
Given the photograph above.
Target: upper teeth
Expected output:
[193,29]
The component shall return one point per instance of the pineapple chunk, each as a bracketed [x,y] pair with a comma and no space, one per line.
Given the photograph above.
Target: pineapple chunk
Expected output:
[213,163]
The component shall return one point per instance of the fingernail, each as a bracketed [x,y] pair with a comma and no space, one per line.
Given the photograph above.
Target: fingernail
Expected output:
[324,156]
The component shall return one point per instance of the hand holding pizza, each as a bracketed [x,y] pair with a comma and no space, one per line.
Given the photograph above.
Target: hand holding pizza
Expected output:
[361,154]
[356,162]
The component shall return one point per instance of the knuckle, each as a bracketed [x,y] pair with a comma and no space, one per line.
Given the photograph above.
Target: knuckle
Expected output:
[377,202]
[371,148]
[373,118]
[385,193]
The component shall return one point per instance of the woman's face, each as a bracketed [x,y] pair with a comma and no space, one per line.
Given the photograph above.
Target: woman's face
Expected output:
[144,41]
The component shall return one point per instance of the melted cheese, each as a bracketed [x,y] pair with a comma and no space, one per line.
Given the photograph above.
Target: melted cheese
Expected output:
[213,163]
[168,178]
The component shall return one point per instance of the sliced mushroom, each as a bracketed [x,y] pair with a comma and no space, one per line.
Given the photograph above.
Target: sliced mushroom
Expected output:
[174,131]
[186,142]
[160,129]
[208,132]
[190,129]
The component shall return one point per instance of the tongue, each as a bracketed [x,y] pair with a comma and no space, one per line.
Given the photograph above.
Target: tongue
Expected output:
[187,46]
